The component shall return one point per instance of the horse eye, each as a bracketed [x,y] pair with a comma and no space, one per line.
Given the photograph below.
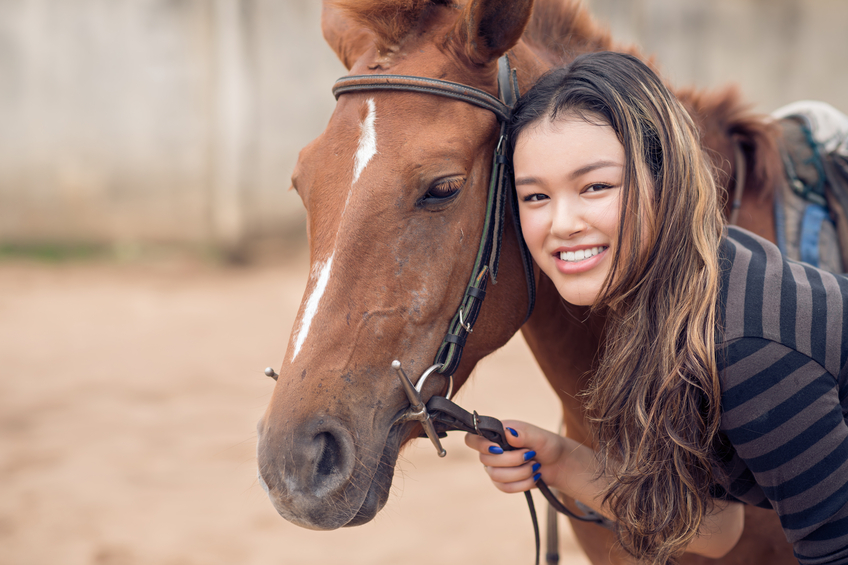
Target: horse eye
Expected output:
[443,190]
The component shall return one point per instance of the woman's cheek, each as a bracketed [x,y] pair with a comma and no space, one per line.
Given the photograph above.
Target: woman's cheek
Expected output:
[533,229]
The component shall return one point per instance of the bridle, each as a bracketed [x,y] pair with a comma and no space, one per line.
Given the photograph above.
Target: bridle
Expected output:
[500,188]
[439,415]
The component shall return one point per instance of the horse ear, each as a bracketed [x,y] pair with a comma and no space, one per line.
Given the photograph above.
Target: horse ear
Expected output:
[489,28]
[346,37]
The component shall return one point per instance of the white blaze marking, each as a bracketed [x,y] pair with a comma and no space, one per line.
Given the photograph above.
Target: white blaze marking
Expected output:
[366,150]
[312,303]
[367,141]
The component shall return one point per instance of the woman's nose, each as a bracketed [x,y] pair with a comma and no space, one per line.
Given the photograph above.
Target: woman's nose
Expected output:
[567,220]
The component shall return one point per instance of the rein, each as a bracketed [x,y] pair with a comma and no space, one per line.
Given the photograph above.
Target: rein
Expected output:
[440,415]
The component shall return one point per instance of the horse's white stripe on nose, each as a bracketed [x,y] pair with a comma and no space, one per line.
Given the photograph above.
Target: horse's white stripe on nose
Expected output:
[323,271]
[366,150]
[367,141]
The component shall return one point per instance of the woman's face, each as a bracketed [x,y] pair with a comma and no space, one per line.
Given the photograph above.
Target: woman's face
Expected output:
[568,176]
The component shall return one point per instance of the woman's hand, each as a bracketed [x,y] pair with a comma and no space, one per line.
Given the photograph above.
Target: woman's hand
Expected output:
[571,468]
[539,455]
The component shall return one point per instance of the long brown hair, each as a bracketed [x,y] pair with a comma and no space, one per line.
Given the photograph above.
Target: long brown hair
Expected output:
[654,399]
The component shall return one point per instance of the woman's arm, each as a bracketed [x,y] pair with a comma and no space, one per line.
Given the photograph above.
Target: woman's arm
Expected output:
[571,468]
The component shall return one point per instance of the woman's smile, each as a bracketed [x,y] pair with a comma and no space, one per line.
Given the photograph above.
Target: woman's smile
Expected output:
[577,260]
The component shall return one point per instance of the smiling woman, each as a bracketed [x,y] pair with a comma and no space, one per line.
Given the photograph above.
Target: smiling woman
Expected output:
[712,386]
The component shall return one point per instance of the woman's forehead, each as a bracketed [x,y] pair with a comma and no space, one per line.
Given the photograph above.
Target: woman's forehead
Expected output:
[567,130]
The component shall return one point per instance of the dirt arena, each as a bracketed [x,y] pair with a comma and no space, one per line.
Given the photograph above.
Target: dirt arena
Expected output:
[129,394]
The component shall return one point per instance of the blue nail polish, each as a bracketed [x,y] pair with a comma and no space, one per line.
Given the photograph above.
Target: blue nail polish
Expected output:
[513,432]
[529,455]
[537,476]
[536,466]
[496,449]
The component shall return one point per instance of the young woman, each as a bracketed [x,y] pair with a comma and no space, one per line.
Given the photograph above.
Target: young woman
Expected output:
[722,377]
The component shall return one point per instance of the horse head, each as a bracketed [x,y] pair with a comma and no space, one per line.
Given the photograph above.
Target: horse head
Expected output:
[395,191]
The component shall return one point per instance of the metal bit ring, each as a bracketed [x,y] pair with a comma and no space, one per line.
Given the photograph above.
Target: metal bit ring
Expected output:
[423,379]
[417,409]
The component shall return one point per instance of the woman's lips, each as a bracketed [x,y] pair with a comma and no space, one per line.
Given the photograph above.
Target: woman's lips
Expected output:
[574,265]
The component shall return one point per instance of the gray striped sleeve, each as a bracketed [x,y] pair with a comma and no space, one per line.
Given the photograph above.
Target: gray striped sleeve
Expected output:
[833,353]
[804,312]
[772,282]
[735,312]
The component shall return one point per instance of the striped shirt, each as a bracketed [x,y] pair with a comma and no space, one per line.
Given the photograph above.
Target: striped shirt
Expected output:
[782,361]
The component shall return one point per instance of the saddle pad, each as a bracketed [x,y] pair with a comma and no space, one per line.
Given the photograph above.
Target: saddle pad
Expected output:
[811,204]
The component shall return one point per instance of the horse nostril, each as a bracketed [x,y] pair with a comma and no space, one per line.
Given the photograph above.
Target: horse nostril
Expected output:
[330,454]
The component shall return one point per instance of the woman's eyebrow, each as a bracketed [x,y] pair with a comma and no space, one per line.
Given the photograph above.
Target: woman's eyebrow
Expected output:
[526,180]
[575,174]
[593,166]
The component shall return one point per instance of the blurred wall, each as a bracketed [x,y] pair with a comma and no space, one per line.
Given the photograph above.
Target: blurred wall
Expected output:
[157,120]
[125,121]
[777,51]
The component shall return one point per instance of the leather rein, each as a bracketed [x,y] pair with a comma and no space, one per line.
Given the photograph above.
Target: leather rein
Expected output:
[440,415]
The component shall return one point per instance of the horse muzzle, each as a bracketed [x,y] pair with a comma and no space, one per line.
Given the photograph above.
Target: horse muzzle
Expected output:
[308,474]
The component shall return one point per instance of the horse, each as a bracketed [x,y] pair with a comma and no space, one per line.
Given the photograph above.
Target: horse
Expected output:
[395,192]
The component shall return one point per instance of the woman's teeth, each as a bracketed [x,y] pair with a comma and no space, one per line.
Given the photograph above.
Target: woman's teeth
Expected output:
[573,256]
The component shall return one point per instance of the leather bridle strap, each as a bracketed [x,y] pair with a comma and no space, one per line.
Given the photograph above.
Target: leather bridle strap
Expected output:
[404,83]
[447,416]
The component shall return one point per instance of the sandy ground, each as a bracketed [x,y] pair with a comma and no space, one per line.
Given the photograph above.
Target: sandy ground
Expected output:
[128,400]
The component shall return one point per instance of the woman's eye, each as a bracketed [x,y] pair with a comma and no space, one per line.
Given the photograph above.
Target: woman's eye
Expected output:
[597,187]
[534,197]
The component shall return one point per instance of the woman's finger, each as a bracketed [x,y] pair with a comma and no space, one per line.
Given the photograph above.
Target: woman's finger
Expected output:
[507,459]
[477,443]
[513,474]
[521,485]
[515,433]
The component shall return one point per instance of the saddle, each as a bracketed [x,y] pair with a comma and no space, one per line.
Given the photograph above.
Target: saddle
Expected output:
[811,205]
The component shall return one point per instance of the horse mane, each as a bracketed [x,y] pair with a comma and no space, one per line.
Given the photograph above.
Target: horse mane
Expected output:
[724,118]
[559,31]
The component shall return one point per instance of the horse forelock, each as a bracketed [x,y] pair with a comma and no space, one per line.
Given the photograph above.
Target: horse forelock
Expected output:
[389,20]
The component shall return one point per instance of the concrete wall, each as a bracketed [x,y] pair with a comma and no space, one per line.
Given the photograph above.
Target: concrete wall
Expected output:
[127,121]
[777,51]
[157,120]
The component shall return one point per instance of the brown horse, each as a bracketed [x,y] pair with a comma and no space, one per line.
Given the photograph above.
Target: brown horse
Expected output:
[395,190]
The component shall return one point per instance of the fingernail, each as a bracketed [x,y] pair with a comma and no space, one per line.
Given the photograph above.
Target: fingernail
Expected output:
[496,449]
[537,476]
[536,466]
[529,455]
[513,432]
